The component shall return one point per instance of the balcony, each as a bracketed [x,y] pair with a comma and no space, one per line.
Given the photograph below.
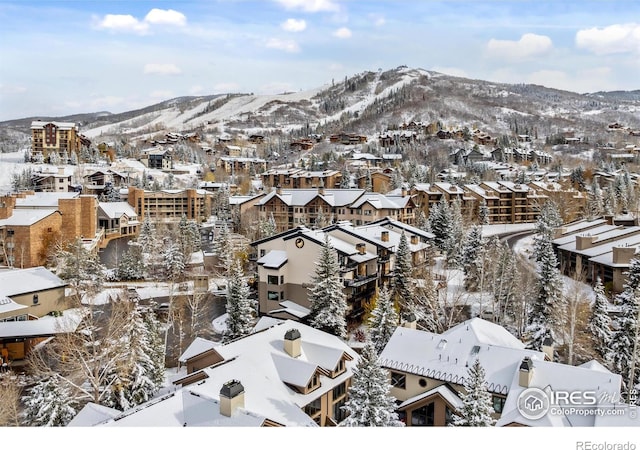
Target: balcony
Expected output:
[360,280]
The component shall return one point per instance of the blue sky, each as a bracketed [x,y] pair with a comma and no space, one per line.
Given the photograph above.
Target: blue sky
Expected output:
[65,57]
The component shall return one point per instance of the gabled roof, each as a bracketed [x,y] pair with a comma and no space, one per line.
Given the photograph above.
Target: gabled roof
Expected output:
[7,305]
[26,217]
[444,391]
[197,347]
[301,197]
[115,210]
[45,326]
[24,281]
[447,356]
[273,260]
[265,370]
[44,199]
[92,414]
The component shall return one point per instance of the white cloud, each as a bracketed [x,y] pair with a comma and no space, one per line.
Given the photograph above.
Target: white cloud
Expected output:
[12,89]
[165,17]
[294,25]
[162,69]
[342,33]
[529,45]
[310,5]
[618,38]
[122,22]
[286,45]
[194,90]
[130,24]
[588,80]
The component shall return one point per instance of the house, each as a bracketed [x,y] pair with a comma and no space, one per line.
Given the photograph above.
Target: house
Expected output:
[428,370]
[55,180]
[284,374]
[156,158]
[28,297]
[117,219]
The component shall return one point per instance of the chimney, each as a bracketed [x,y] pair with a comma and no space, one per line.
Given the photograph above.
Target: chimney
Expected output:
[384,236]
[584,242]
[558,232]
[279,190]
[321,187]
[414,239]
[623,255]
[409,320]
[292,343]
[60,170]
[361,248]
[547,347]
[404,191]
[525,372]
[231,397]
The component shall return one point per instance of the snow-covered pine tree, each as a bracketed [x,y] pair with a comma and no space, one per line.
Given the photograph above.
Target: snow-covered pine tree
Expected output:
[472,259]
[240,308]
[49,403]
[403,292]
[81,268]
[173,261]
[345,181]
[328,301]
[369,403]
[483,213]
[622,346]
[548,220]
[453,241]
[476,400]
[223,248]
[547,312]
[131,265]
[422,221]
[383,321]
[147,236]
[321,220]
[156,349]
[440,222]
[600,323]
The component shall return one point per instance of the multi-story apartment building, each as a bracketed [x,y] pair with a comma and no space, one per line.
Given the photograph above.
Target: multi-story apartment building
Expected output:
[171,204]
[56,180]
[293,207]
[60,137]
[295,178]
[365,254]
[241,165]
[31,223]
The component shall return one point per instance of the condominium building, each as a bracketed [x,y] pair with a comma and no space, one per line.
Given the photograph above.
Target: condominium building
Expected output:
[170,204]
[61,137]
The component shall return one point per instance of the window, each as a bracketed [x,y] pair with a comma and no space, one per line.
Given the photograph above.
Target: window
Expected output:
[339,414]
[281,295]
[271,295]
[398,380]
[340,368]
[272,279]
[339,391]
[313,408]
[315,381]
[498,403]
[262,253]
[281,279]
[423,417]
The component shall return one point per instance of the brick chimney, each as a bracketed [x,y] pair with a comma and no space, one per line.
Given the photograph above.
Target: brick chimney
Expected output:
[292,341]
[585,242]
[414,239]
[384,236]
[404,191]
[623,255]
[231,397]
[361,248]
[525,372]
[321,187]
[7,203]
[279,190]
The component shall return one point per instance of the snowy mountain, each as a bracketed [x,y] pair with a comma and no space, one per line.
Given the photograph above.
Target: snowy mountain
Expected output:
[369,103]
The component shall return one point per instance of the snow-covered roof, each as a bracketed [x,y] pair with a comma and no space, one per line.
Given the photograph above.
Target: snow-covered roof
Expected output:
[198,346]
[45,326]
[552,376]
[293,309]
[446,356]
[92,414]
[443,390]
[274,259]
[377,200]
[7,305]
[26,217]
[115,210]
[300,197]
[603,228]
[44,199]
[22,281]
[263,367]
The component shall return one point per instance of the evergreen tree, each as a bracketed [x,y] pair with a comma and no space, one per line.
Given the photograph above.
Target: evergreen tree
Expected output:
[321,219]
[403,290]
[328,301]
[548,309]
[155,349]
[548,220]
[626,335]
[173,261]
[147,236]
[345,181]
[427,309]
[240,308]
[223,248]
[383,321]
[369,403]
[473,260]
[600,323]
[81,268]
[476,400]
[483,213]
[49,403]
[453,242]
[422,221]
[131,265]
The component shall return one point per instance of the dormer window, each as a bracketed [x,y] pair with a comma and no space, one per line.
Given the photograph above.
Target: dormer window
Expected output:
[314,383]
